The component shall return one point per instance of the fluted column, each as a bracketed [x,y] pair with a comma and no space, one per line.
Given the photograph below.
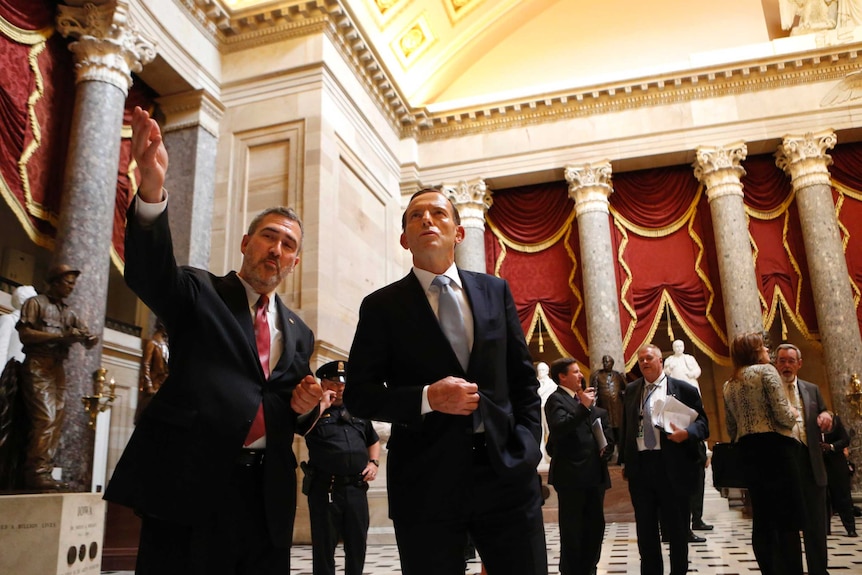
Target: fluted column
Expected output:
[719,169]
[590,187]
[804,158]
[107,49]
[191,138]
[472,200]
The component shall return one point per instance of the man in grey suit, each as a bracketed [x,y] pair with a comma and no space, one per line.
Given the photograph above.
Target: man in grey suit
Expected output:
[465,406]
[813,417]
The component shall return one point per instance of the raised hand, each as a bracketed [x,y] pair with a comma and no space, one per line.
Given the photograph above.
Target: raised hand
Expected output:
[149,152]
[453,395]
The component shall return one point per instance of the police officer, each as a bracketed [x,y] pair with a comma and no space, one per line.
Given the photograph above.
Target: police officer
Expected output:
[343,456]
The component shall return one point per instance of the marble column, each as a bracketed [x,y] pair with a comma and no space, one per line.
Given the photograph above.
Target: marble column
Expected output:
[191,136]
[472,200]
[107,48]
[804,158]
[590,187]
[719,169]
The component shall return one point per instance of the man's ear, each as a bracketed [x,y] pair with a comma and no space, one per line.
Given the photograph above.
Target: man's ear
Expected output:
[244,243]
[404,241]
[459,235]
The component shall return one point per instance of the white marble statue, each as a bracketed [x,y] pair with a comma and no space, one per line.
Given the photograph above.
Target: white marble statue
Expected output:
[849,13]
[814,15]
[10,344]
[546,388]
[681,365]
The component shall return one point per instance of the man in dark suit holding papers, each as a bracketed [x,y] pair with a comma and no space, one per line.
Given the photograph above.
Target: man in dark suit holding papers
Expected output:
[660,466]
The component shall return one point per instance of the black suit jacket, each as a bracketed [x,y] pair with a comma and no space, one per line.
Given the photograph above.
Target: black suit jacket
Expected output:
[399,348]
[813,405]
[181,454]
[575,459]
[680,459]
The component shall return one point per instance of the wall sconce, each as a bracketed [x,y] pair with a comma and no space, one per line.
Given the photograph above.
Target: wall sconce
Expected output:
[854,396]
[99,402]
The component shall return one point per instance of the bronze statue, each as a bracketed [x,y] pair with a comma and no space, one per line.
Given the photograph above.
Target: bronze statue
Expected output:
[610,385]
[48,328]
[154,367]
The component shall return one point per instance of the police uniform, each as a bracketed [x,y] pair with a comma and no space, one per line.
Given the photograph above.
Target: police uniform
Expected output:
[337,501]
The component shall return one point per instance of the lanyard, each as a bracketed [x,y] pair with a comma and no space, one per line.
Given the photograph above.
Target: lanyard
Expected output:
[646,399]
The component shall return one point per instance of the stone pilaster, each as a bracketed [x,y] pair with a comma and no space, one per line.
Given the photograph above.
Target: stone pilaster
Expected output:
[804,158]
[191,138]
[719,169]
[107,49]
[472,200]
[590,187]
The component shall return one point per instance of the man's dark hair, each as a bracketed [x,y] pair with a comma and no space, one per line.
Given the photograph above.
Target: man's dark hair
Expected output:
[455,215]
[559,367]
[288,213]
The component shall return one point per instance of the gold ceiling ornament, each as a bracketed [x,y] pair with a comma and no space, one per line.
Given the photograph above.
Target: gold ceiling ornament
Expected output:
[415,40]
[385,5]
[458,8]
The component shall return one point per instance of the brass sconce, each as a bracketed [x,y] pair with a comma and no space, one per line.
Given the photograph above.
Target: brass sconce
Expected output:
[99,402]
[854,395]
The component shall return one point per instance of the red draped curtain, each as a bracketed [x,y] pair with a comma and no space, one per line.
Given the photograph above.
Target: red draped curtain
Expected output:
[780,262]
[531,240]
[37,94]
[667,268]
[847,192]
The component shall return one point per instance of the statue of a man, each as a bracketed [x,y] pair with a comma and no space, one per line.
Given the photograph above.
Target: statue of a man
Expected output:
[154,367]
[10,343]
[609,385]
[546,388]
[48,328]
[682,365]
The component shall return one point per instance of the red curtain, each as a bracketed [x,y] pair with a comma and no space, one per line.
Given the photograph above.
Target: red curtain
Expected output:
[847,193]
[666,260]
[780,262]
[531,240]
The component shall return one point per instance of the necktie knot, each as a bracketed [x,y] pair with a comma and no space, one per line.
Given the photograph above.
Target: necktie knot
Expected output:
[262,302]
[441,282]
[451,319]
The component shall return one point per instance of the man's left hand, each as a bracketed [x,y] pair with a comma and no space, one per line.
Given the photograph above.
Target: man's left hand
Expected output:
[824,421]
[679,434]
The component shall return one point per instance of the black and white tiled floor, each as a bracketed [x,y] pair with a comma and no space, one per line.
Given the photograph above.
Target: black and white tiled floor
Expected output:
[727,551]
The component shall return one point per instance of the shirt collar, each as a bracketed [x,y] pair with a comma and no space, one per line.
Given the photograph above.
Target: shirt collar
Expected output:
[425,277]
[662,378]
[253,296]
[567,390]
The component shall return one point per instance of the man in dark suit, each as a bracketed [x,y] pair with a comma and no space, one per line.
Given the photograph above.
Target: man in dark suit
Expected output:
[579,467]
[210,466]
[660,466]
[812,419]
[466,415]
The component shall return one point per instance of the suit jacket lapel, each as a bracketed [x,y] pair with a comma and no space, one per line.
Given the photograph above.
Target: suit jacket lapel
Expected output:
[233,294]
[288,336]
[477,295]
[419,315]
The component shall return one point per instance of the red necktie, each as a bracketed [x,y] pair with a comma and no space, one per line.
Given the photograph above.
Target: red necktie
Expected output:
[261,337]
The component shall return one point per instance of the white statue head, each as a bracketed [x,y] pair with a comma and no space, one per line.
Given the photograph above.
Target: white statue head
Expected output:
[22,294]
[678,347]
[542,370]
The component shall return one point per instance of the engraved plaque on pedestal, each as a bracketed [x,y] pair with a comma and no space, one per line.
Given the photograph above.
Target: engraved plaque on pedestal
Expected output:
[52,534]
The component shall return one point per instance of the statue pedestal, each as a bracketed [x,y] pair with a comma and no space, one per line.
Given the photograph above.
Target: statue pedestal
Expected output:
[52,534]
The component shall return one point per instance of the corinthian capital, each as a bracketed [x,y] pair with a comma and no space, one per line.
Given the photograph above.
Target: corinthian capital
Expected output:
[719,169]
[590,186]
[472,200]
[804,158]
[108,47]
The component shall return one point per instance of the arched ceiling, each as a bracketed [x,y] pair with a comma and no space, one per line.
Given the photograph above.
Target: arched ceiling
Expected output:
[450,53]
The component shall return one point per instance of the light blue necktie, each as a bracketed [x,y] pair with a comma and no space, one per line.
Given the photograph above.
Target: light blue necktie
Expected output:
[452,320]
[649,432]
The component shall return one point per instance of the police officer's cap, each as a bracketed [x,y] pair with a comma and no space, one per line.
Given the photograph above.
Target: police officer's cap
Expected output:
[333,371]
